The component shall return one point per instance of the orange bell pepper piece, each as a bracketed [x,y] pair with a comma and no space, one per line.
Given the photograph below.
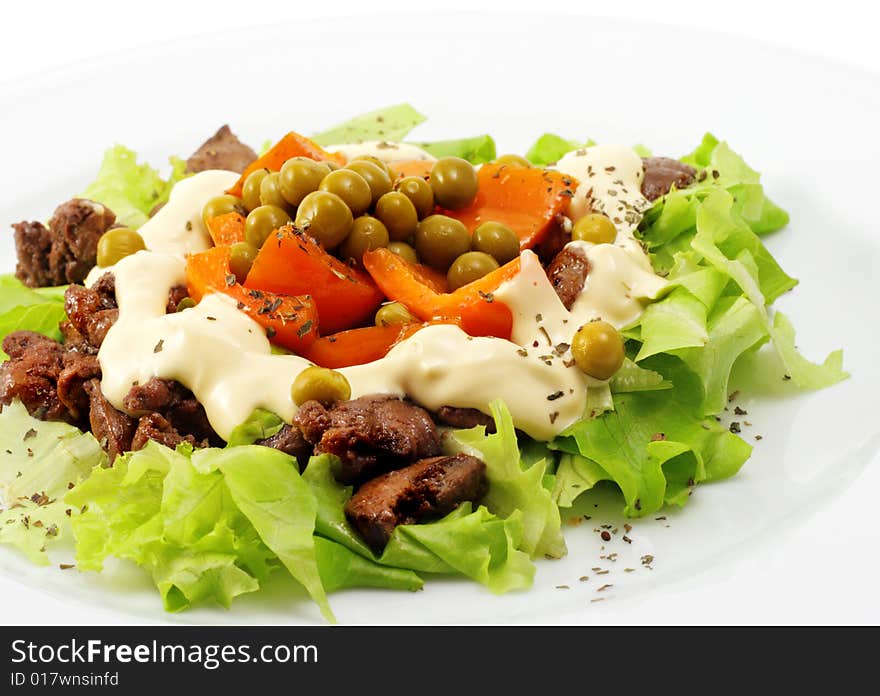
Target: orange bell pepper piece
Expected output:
[358,346]
[292,263]
[527,200]
[226,229]
[291,322]
[291,145]
[472,306]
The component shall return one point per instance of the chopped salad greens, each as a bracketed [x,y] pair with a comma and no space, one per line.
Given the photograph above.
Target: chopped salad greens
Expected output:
[212,524]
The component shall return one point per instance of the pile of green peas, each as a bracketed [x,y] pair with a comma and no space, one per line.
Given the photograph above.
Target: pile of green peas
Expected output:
[363,206]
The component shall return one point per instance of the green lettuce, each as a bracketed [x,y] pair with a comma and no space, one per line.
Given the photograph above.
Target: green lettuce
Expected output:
[390,123]
[549,148]
[129,189]
[209,525]
[512,488]
[23,308]
[259,425]
[655,445]
[40,460]
[476,150]
[473,543]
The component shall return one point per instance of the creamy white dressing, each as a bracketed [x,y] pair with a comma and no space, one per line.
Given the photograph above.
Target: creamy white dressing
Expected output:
[386,151]
[224,357]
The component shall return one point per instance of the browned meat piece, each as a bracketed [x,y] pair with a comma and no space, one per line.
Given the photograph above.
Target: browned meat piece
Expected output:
[31,374]
[91,311]
[290,441]
[112,428]
[65,251]
[223,150]
[427,489]
[567,273]
[175,296]
[155,427]
[661,173]
[552,244]
[370,435]
[78,369]
[176,404]
[464,418]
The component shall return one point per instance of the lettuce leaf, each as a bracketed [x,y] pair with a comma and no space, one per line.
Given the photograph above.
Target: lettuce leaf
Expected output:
[389,123]
[40,460]
[513,489]
[129,189]
[476,150]
[209,525]
[476,544]
[340,568]
[259,425]
[26,309]
[655,445]
[549,148]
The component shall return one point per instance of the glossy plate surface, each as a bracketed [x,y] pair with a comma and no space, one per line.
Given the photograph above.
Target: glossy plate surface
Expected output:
[794,537]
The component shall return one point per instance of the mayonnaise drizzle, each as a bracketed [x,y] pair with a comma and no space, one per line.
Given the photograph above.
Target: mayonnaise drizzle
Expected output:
[224,357]
[384,150]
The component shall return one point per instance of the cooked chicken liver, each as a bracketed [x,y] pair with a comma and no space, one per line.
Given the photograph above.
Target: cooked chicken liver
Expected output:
[567,273]
[66,250]
[223,150]
[428,489]
[370,435]
[661,173]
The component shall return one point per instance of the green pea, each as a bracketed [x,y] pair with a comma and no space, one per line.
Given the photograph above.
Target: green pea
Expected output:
[241,258]
[469,267]
[117,243]
[595,228]
[300,176]
[325,217]
[404,250]
[454,182]
[250,191]
[367,233]
[597,349]
[497,240]
[263,221]
[393,313]
[320,384]
[440,240]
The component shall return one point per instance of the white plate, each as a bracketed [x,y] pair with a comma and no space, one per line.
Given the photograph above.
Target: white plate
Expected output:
[794,537]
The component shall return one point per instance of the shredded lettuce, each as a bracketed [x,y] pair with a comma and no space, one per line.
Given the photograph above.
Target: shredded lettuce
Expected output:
[390,123]
[40,460]
[476,150]
[129,189]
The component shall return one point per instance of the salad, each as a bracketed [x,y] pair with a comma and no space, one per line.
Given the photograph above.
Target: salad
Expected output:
[365,360]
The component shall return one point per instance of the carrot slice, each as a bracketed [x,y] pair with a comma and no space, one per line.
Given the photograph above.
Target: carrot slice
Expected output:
[226,229]
[358,346]
[472,306]
[292,263]
[291,145]
[527,200]
[291,322]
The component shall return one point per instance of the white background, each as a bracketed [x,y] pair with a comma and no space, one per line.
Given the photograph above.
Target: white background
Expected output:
[37,36]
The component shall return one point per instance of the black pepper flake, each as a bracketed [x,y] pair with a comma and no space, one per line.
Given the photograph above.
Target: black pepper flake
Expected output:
[740,411]
[627,539]
[158,347]
[647,559]
[487,296]
[211,318]
[734,427]
[29,434]
[785,378]
[733,395]
[638,504]
[66,566]
[304,329]
[270,332]
[555,395]
[604,587]
[189,226]
[553,417]
[759,437]
[522,352]
[606,536]
[563,587]
[332,339]
[584,578]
